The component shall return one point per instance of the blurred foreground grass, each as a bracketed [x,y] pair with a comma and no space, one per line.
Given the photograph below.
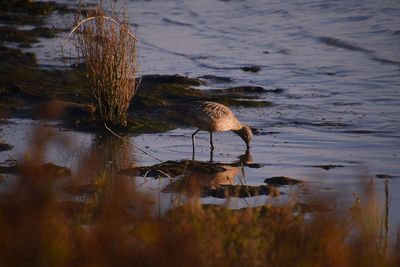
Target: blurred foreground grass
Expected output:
[115,227]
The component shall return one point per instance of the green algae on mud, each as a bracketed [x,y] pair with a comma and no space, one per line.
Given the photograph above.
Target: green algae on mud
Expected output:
[206,179]
[281,181]
[174,168]
[47,83]
[25,37]
[34,8]
[175,89]
[23,83]
[241,191]
[181,185]
[14,56]
[27,13]
[49,169]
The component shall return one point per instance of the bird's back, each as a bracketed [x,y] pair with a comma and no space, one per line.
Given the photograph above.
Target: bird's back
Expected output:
[208,116]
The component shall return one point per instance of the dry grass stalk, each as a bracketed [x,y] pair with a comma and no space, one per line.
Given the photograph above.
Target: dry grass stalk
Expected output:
[107,47]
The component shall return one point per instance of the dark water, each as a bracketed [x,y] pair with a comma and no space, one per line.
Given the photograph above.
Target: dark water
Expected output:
[338,63]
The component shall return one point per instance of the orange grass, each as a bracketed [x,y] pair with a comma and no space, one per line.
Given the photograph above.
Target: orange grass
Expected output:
[114,227]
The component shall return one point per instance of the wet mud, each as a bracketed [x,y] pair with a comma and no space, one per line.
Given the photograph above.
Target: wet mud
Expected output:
[31,92]
[4,146]
[205,179]
[15,14]
[328,167]
[281,181]
[386,176]
[251,69]
[47,169]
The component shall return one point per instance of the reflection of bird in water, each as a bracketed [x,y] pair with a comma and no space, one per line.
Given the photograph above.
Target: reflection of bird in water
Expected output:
[227,177]
[212,117]
[201,177]
[246,158]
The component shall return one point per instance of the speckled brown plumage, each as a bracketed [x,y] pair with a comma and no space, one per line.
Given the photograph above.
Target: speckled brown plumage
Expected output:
[212,117]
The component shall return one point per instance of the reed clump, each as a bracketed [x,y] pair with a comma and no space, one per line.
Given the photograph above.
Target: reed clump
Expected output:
[107,47]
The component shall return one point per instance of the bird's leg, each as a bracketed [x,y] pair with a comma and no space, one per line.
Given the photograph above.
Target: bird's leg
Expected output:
[211,141]
[193,141]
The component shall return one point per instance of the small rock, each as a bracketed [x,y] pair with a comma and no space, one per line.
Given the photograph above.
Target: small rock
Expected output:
[282,180]
[385,176]
[217,79]
[327,167]
[177,79]
[13,169]
[255,165]
[251,68]
[240,191]
[276,91]
[246,89]
[266,133]
[327,73]
[241,89]
[48,168]
[4,146]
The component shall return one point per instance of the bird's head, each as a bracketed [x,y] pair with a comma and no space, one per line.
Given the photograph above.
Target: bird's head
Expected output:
[246,134]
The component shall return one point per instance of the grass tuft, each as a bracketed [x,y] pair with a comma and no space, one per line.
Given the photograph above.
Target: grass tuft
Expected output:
[107,47]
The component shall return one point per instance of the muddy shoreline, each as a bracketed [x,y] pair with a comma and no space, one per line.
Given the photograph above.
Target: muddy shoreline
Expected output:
[30,91]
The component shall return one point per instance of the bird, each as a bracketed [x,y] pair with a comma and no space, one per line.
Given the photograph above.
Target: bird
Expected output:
[212,117]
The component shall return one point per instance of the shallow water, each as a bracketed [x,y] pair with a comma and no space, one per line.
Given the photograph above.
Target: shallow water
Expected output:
[337,61]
